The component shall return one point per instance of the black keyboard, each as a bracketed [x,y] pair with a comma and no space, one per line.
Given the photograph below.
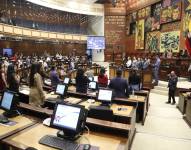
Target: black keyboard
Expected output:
[58,143]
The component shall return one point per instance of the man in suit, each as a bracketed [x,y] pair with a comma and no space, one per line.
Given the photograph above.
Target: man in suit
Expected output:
[119,85]
[172,83]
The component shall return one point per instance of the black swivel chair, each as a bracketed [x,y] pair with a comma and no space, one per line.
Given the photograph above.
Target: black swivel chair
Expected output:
[101,112]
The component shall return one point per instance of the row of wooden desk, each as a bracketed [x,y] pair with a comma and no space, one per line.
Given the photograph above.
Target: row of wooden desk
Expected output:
[184,105]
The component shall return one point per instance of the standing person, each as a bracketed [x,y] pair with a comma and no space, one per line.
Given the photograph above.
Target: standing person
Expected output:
[119,85]
[156,67]
[134,81]
[81,81]
[54,77]
[102,78]
[36,95]
[172,83]
[13,79]
[3,82]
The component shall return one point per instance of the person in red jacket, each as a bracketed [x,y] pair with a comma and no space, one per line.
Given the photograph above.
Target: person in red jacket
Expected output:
[102,78]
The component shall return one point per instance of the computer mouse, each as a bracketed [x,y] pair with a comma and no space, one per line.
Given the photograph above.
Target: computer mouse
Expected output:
[47,121]
[86,147]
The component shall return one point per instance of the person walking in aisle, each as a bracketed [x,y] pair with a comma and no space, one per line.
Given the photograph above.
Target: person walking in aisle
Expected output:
[172,83]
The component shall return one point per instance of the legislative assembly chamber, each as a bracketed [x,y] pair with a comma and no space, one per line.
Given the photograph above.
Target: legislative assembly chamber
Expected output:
[95,74]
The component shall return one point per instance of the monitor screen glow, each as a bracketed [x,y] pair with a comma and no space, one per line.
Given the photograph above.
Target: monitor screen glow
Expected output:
[105,95]
[66,80]
[8,51]
[7,100]
[60,89]
[66,117]
[92,85]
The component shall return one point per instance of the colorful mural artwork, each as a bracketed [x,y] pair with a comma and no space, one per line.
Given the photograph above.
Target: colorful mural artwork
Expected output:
[169,41]
[144,13]
[171,13]
[187,5]
[139,38]
[153,42]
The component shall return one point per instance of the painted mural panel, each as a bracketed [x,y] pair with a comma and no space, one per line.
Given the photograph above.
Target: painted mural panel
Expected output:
[171,13]
[139,38]
[170,41]
[153,42]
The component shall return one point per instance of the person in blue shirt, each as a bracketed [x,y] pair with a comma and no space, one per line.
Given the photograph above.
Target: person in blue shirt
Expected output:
[156,67]
[119,85]
[54,77]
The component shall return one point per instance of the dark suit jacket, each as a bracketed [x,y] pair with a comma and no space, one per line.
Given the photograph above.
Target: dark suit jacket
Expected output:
[119,86]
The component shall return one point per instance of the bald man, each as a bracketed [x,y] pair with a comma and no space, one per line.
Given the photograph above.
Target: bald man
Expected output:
[172,83]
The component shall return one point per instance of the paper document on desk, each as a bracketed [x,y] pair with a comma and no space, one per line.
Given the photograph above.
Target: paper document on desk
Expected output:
[26,92]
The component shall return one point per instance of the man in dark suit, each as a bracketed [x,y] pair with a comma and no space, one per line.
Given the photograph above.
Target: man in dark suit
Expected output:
[172,83]
[119,85]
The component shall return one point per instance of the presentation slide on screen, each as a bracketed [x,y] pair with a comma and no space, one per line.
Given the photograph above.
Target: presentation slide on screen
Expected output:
[66,116]
[96,42]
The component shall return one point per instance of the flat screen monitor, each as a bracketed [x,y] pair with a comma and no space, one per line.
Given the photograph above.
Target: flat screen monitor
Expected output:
[8,51]
[66,80]
[68,118]
[105,95]
[61,89]
[92,85]
[91,78]
[96,42]
[7,100]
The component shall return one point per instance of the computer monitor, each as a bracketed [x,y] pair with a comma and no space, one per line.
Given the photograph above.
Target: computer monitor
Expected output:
[70,119]
[91,78]
[66,80]
[105,95]
[61,89]
[92,85]
[8,103]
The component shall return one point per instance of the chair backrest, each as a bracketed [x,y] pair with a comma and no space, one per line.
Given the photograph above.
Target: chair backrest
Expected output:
[101,112]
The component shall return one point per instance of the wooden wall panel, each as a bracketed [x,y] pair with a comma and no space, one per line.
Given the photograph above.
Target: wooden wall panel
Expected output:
[29,47]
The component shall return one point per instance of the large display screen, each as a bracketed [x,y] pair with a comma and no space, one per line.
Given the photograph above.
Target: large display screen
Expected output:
[96,42]
[66,117]
[8,52]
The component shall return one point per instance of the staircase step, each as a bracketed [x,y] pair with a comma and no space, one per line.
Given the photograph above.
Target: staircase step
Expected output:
[162,88]
[161,92]
[182,79]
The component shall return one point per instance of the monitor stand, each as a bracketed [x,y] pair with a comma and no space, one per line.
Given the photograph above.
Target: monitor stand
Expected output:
[11,114]
[67,135]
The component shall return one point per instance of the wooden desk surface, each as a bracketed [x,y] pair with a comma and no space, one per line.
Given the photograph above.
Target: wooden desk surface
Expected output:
[135,98]
[32,135]
[114,107]
[22,123]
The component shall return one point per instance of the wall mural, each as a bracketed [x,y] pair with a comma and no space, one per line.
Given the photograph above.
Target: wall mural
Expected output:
[170,13]
[144,13]
[170,41]
[139,38]
[187,5]
[187,23]
[166,3]
[153,42]
[153,23]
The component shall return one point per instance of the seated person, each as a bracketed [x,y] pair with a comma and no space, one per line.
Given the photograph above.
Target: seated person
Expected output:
[146,63]
[134,81]
[54,77]
[81,81]
[102,78]
[119,85]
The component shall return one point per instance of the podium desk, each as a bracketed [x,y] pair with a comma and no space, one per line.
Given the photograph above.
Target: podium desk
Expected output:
[183,96]
[142,105]
[31,136]
[187,116]
[22,122]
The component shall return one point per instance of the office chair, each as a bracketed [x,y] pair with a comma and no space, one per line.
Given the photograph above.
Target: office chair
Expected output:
[100,112]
